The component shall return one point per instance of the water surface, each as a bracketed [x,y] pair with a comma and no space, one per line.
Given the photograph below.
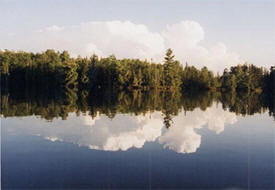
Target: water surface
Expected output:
[201,148]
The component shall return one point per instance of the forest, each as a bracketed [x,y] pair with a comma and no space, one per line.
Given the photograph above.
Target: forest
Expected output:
[51,70]
[52,84]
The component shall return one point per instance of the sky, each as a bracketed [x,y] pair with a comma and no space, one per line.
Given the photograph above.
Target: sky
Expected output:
[212,33]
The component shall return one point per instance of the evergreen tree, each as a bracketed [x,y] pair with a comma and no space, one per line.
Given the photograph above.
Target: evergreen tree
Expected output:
[171,71]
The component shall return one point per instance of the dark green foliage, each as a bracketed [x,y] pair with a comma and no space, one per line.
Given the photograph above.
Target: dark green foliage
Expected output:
[171,71]
[51,70]
[245,78]
[45,71]
[196,80]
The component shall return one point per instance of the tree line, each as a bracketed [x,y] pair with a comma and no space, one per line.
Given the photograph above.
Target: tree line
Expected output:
[51,70]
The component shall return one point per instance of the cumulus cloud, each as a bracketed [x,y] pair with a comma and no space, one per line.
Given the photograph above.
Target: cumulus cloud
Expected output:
[126,131]
[185,39]
[127,40]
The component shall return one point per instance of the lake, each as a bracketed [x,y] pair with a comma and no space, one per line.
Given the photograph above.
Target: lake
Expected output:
[125,143]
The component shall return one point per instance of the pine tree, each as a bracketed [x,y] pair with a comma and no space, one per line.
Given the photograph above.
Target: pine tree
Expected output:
[172,69]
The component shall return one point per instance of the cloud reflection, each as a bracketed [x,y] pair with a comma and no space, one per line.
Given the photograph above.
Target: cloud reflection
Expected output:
[182,136]
[126,131]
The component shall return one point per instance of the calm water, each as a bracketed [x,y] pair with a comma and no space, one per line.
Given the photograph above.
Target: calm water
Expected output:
[213,149]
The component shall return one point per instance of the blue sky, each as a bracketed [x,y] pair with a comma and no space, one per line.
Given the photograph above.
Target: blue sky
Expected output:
[246,28]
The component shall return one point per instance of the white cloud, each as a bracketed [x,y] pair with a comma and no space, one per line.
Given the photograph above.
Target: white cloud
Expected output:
[126,131]
[185,39]
[127,40]
[183,35]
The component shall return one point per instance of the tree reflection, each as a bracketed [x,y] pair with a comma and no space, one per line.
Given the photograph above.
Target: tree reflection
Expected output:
[60,103]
